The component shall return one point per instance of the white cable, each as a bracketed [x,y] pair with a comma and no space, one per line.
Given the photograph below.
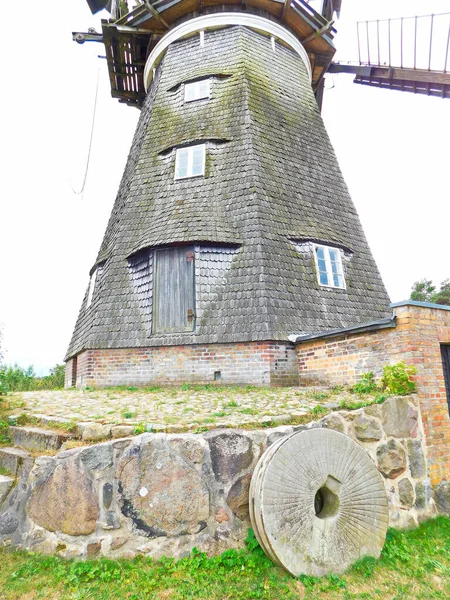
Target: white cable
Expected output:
[90,141]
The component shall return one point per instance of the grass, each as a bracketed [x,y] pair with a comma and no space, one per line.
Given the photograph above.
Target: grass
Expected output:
[414,565]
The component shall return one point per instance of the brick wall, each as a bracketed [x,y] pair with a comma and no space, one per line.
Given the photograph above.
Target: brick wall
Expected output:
[415,340]
[256,363]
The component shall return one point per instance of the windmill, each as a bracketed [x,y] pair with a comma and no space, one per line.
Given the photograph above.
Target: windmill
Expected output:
[232,228]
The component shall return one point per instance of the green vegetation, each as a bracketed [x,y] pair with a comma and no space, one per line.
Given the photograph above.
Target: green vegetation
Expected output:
[366,384]
[425,291]
[4,439]
[397,379]
[414,565]
[16,379]
[349,405]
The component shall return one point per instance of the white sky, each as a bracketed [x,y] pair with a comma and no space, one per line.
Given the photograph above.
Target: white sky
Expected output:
[392,148]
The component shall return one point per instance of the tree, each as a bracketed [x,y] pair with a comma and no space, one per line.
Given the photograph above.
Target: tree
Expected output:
[443,295]
[423,290]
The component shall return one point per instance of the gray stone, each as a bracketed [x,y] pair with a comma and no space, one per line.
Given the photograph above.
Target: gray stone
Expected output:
[33,438]
[8,523]
[6,484]
[189,447]
[406,493]
[12,459]
[391,459]
[276,435]
[97,457]
[118,542]
[331,405]
[155,427]
[374,410]
[301,503]
[423,495]
[65,502]
[231,453]
[95,432]
[48,420]
[281,419]
[367,429]
[162,494]
[112,521]
[121,444]
[93,549]
[441,495]
[120,431]
[399,418]
[416,456]
[107,495]
[333,421]
[237,498]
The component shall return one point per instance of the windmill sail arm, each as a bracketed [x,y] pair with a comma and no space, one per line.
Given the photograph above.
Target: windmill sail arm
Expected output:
[419,81]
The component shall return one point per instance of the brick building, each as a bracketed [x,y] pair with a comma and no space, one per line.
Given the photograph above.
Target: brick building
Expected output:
[417,334]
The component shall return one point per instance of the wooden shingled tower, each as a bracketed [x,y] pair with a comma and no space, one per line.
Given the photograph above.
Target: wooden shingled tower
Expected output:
[233,228]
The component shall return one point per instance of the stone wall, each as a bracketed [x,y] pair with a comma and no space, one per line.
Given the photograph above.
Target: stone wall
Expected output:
[255,363]
[416,339]
[163,494]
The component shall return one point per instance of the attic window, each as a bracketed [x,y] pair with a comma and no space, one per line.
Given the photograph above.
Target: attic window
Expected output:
[92,282]
[197,90]
[329,266]
[91,288]
[190,161]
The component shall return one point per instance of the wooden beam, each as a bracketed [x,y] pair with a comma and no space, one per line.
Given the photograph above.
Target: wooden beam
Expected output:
[156,14]
[318,33]
[287,4]
[387,73]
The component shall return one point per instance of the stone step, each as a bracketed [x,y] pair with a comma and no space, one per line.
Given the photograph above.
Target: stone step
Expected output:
[12,460]
[34,438]
[6,484]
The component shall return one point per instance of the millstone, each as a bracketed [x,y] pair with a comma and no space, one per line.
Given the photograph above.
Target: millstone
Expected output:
[318,503]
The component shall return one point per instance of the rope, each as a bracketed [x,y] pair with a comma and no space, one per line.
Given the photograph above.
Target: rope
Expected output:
[90,141]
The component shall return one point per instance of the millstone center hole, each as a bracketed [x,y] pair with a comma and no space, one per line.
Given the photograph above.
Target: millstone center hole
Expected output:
[326,503]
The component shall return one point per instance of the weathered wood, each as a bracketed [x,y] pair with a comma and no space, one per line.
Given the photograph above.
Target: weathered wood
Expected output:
[286,6]
[316,34]
[156,14]
[174,309]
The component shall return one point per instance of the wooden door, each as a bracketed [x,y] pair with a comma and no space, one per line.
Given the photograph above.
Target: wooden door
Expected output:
[173,291]
[445,353]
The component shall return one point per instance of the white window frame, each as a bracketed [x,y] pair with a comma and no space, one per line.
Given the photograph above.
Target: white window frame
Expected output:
[329,269]
[196,88]
[190,160]
[92,281]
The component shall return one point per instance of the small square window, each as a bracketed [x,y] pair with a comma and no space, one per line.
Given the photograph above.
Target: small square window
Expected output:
[329,267]
[197,90]
[190,161]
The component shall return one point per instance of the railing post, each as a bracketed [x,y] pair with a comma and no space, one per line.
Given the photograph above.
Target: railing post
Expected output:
[431,41]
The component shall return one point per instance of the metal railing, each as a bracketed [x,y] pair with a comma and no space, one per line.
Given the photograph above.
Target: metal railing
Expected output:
[419,42]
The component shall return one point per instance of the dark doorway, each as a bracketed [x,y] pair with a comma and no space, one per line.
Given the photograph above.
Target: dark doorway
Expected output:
[445,353]
[73,382]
